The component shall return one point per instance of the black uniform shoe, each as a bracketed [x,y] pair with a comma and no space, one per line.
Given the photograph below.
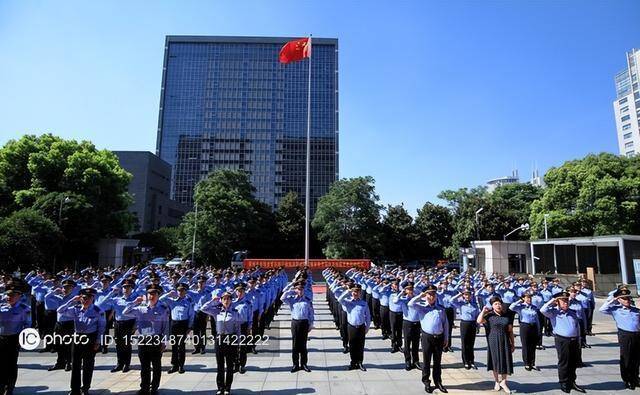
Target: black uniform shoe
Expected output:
[219,392]
[534,367]
[55,367]
[126,368]
[441,388]
[408,367]
[194,352]
[578,388]
[295,368]
[361,366]
[352,366]
[345,350]
[116,369]
[173,369]
[527,368]
[242,370]
[417,365]
[428,388]
[540,347]
[473,366]
[67,368]
[394,350]
[565,389]
[385,337]
[306,368]
[181,370]
[467,367]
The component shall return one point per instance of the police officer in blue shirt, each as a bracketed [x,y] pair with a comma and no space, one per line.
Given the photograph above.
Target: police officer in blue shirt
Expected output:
[359,321]
[152,320]
[64,325]
[466,304]
[566,330]
[124,325]
[301,323]
[89,323]
[243,306]
[529,324]
[627,318]
[106,305]
[395,316]
[182,314]
[200,296]
[410,327]
[435,335]
[227,321]
[14,317]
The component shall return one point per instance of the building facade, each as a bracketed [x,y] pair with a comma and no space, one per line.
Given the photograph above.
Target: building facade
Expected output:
[227,103]
[626,106]
[150,188]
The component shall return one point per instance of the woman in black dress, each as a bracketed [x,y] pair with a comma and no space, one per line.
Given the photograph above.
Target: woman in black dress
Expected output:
[500,342]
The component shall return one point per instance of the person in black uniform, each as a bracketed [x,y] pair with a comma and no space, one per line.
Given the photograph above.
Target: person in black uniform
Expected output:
[566,329]
[228,322]
[627,318]
[89,324]
[14,317]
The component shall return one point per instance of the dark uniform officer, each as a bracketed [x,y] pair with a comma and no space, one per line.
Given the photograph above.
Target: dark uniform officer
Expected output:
[358,321]
[227,321]
[529,329]
[435,335]
[152,320]
[627,317]
[243,306]
[395,317]
[566,330]
[64,325]
[14,317]
[410,328]
[466,303]
[182,315]
[301,323]
[89,323]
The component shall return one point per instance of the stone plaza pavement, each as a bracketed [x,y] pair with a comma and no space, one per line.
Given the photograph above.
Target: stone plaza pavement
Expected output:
[268,371]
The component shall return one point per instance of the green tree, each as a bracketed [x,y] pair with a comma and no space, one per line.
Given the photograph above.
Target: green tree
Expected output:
[290,223]
[434,230]
[164,241]
[595,195]
[399,234]
[28,239]
[348,219]
[229,219]
[73,184]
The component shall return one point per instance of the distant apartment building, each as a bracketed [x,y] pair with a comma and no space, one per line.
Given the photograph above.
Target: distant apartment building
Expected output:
[626,106]
[150,188]
[536,180]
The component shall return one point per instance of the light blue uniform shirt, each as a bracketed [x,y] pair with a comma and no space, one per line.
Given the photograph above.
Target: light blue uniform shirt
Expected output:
[357,311]
[301,307]
[527,313]
[227,321]
[150,320]
[433,319]
[565,323]
[627,318]
[181,308]
[468,310]
[14,319]
[394,306]
[86,321]
[408,313]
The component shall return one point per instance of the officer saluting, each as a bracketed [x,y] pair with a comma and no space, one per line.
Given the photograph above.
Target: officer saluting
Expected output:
[359,320]
[90,324]
[435,335]
[181,323]
[566,330]
[152,320]
[227,322]
[627,317]
[14,317]
[301,323]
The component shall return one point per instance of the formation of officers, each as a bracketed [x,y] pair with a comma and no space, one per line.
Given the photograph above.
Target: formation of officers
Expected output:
[416,309]
[162,305]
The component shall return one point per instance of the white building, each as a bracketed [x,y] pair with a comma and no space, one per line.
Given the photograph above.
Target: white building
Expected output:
[496,182]
[626,107]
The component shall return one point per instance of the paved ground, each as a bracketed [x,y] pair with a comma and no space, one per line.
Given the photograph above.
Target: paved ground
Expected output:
[268,372]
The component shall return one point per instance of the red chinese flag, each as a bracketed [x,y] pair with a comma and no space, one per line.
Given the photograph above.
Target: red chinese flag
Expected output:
[295,50]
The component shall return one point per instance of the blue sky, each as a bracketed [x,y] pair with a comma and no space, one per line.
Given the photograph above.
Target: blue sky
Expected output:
[433,95]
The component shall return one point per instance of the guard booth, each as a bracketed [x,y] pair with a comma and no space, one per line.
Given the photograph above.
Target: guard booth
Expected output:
[614,259]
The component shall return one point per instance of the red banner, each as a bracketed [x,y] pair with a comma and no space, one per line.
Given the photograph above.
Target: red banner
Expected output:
[313,263]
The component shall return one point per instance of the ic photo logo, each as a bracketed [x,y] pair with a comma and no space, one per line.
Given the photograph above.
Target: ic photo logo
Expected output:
[29,339]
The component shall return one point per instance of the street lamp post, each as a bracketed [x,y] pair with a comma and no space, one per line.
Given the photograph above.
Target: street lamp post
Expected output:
[193,242]
[521,227]
[62,202]
[546,235]
[475,249]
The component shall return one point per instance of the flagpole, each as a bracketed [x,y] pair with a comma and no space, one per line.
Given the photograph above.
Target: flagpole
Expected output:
[307,200]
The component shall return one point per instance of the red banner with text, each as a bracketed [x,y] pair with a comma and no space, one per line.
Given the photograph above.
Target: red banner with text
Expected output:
[313,263]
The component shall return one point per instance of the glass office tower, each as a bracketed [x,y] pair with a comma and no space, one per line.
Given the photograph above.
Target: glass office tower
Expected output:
[227,102]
